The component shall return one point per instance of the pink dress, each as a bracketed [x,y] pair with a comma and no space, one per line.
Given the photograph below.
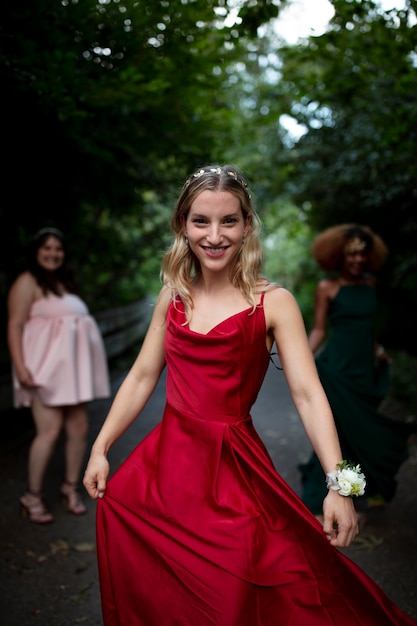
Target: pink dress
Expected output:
[64,351]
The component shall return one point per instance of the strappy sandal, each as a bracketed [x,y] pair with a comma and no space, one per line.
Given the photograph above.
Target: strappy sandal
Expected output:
[33,507]
[72,498]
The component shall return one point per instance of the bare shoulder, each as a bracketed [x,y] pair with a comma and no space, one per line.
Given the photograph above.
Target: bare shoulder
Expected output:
[327,284]
[328,288]
[164,297]
[25,284]
[21,296]
[280,305]
[26,279]
[162,303]
[277,295]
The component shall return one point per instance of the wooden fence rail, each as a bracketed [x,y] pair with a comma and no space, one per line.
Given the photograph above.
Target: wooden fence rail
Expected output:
[121,328]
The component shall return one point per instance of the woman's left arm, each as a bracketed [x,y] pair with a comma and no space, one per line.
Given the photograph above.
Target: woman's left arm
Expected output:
[285,324]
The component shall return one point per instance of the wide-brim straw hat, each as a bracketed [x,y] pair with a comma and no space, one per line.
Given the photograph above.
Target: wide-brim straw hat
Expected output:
[328,247]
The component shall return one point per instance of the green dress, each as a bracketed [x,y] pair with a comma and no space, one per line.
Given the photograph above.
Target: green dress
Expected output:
[355,387]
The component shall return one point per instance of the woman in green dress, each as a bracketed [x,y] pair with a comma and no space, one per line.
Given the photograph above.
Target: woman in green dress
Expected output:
[352,367]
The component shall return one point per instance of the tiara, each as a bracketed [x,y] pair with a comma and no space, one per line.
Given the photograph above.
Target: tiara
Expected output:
[218,171]
[49,230]
[355,245]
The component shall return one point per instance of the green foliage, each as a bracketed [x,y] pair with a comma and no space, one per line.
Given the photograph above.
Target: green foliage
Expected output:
[288,261]
[106,107]
[103,104]
[353,90]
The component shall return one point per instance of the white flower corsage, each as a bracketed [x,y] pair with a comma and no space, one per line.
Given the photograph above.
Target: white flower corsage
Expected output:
[348,480]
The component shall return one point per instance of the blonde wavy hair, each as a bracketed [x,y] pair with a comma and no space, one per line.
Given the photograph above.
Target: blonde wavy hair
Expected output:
[181,269]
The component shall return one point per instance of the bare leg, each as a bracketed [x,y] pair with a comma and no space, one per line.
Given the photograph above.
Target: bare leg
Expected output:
[76,428]
[48,424]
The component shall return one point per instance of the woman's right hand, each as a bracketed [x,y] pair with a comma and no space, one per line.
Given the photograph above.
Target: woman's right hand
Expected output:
[95,477]
[25,378]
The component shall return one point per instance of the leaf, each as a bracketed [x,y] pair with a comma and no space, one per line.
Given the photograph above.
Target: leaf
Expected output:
[81,594]
[85,546]
[369,542]
[59,546]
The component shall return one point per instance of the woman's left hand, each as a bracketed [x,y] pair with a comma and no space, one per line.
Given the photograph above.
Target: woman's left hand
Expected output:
[340,519]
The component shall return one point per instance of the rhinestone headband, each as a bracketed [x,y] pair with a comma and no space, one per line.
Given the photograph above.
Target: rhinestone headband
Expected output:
[355,245]
[218,170]
[49,230]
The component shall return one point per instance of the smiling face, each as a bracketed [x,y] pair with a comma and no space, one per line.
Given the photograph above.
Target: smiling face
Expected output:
[356,257]
[215,228]
[50,255]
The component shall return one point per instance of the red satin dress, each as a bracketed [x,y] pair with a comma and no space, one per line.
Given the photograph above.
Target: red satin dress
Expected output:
[198,529]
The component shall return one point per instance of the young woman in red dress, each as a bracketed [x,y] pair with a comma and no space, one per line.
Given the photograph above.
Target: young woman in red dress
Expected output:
[196,528]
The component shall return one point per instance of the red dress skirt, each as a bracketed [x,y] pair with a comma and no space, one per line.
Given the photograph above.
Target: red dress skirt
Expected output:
[198,529]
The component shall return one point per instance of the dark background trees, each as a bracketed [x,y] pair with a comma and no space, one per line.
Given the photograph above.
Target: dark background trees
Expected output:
[106,106]
[353,89]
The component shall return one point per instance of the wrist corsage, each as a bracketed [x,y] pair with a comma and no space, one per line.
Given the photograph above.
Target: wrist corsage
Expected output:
[348,480]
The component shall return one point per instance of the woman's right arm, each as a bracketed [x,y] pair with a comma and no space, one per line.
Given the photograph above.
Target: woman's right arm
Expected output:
[20,299]
[131,398]
[321,306]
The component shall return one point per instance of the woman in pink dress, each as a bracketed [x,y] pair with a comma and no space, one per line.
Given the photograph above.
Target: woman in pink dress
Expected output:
[59,364]
[196,527]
